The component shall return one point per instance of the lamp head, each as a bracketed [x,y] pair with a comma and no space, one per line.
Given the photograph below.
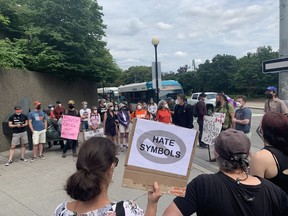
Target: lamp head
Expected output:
[155,41]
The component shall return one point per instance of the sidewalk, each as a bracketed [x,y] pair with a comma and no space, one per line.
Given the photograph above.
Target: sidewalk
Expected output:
[255,105]
[36,188]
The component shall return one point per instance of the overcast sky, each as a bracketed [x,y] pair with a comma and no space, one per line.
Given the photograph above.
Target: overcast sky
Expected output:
[187,29]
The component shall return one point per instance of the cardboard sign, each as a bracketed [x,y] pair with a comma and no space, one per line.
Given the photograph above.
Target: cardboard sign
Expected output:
[70,127]
[156,153]
[211,129]
[92,133]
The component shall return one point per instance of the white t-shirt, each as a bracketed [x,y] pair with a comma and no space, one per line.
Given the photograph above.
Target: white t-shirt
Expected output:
[85,112]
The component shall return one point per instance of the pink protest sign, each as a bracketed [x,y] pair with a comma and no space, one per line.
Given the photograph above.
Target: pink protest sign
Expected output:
[70,127]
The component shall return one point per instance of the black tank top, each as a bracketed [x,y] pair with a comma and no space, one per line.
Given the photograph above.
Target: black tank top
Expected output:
[281,161]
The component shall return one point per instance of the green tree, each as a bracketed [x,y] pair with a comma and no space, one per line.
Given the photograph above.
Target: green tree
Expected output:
[249,78]
[135,74]
[60,37]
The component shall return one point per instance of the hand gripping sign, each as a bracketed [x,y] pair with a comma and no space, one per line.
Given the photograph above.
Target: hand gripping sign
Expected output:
[159,152]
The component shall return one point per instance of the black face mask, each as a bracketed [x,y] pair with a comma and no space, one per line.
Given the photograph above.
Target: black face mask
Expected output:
[38,107]
[269,95]
[218,103]
[71,106]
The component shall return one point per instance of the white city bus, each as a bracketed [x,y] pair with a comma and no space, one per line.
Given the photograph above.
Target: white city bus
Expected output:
[132,93]
[108,93]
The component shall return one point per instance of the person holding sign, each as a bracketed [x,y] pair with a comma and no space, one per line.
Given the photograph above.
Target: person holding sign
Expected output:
[89,185]
[71,111]
[223,106]
[231,191]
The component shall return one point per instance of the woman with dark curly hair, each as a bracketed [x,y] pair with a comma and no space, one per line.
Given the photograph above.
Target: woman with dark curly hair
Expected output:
[88,186]
[272,161]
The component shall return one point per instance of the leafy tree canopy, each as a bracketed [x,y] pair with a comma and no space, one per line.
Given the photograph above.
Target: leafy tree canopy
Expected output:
[59,37]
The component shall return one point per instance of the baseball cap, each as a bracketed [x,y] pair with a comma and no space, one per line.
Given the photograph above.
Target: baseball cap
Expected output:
[271,88]
[37,103]
[17,108]
[71,102]
[58,102]
[232,142]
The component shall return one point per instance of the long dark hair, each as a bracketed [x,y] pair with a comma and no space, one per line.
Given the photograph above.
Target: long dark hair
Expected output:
[275,130]
[94,160]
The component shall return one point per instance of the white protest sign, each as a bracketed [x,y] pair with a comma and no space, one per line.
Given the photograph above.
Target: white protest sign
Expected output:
[161,147]
[159,152]
[220,117]
[211,128]
[92,133]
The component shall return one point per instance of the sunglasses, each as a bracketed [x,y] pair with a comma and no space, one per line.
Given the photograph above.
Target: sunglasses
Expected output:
[116,161]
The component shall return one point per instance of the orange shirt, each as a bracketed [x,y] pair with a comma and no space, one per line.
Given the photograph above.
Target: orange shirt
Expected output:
[163,115]
[139,114]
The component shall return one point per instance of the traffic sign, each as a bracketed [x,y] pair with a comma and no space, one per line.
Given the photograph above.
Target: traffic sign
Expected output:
[275,65]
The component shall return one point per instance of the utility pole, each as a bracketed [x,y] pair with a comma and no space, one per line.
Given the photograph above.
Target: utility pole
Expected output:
[283,49]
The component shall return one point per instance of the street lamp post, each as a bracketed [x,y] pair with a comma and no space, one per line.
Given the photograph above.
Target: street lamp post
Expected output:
[155,41]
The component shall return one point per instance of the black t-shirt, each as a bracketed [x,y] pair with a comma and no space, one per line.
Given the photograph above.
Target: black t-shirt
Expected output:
[218,194]
[183,116]
[18,119]
[102,110]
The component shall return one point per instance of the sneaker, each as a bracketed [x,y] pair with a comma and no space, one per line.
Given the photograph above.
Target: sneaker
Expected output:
[33,159]
[63,155]
[23,159]
[8,163]
[42,157]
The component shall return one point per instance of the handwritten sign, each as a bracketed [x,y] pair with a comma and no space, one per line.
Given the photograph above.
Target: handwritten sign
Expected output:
[211,128]
[220,117]
[156,152]
[70,127]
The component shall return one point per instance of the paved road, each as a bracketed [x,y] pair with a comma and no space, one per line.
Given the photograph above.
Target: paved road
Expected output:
[202,156]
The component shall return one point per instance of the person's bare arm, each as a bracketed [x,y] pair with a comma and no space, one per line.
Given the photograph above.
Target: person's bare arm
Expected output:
[232,114]
[153,198]
[172,210]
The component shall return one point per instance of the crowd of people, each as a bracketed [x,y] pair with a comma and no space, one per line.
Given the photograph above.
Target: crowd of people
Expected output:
[247,184]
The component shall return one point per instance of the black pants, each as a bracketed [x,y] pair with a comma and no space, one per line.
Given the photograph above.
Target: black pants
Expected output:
[73,144]
[200,123]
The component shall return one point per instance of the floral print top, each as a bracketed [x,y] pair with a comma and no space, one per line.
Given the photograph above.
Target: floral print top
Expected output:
[130,208]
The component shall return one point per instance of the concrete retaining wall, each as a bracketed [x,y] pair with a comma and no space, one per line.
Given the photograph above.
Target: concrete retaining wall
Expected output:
[16,85]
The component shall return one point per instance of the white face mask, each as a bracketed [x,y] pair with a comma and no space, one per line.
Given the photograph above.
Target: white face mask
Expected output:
[95,111]
[52,108]
[84,106]
[177,102]
[59,105]
[112,108]
[166,106]
[116,108]
[238,104]
[139,107]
